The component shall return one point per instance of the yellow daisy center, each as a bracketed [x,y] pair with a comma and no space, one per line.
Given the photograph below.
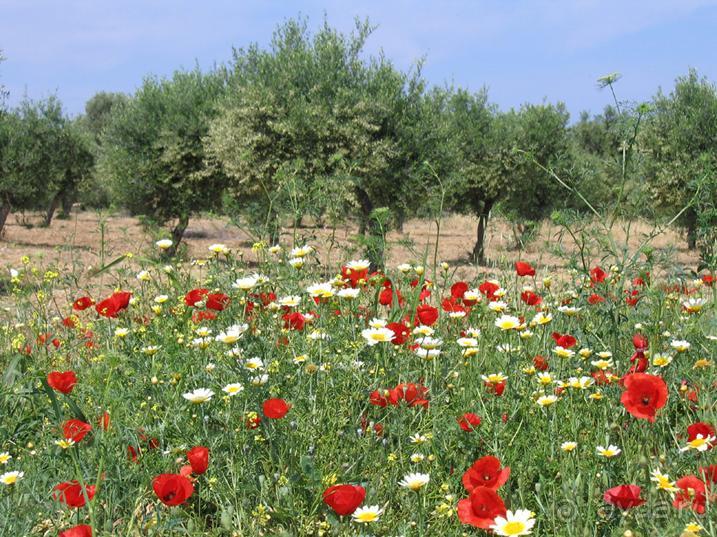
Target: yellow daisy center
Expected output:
[367,516]
[514,527]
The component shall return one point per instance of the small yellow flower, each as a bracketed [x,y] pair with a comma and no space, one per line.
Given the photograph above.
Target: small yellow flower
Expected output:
[702,363]
[329,479]
[692,530]
[65,443]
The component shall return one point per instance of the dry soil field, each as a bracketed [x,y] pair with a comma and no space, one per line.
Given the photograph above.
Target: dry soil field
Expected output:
[78,241]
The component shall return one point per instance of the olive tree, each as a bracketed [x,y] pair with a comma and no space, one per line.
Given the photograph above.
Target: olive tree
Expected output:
[99,109]
[501,160]
[153,154]
[482,156]
[31,156]
[541,142]
[75,163]
[311,125]
[681,140]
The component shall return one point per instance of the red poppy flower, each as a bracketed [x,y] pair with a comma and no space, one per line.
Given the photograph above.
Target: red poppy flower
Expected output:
[541,363]
[71,494]
[275,408]
[524,269]
[378,398]
[496,388]
[217,301]
[692,494]
[459,289]
[451,305]
[112,306]
[644,395]
[75,430]
[564,340]
[486,472]
[172,489]
[597,275]
[83,530]
[401,333]
[595,299]
[708,279]
[198,458]
[82,303]
[294,321]
[705,429]
[632,297]
[63,382]
[488,289]
[530,298]
[413,394]
[70,322]
[624,496]
[481,508]
[468,421]
[385,297]
[194,296]
[426,314]
[344,499]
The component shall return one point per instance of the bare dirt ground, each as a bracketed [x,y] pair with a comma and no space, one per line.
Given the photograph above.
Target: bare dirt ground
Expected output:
[82,241]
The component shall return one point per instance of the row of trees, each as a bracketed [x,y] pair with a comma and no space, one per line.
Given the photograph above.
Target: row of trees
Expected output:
[312,126]
[45,157]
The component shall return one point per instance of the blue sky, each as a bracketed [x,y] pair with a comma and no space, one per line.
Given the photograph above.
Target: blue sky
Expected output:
[522,50]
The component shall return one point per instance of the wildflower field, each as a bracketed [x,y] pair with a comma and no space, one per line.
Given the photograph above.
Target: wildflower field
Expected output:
[274,395]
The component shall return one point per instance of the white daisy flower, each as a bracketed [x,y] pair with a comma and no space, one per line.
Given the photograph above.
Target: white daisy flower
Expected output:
[199,395]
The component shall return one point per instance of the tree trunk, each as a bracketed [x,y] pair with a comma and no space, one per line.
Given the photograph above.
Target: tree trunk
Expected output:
[400,219]
[177,234]
[366,207]
[68,199]
[478,254]
[691,239]
[51,209]
[4,212]
[691,225]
